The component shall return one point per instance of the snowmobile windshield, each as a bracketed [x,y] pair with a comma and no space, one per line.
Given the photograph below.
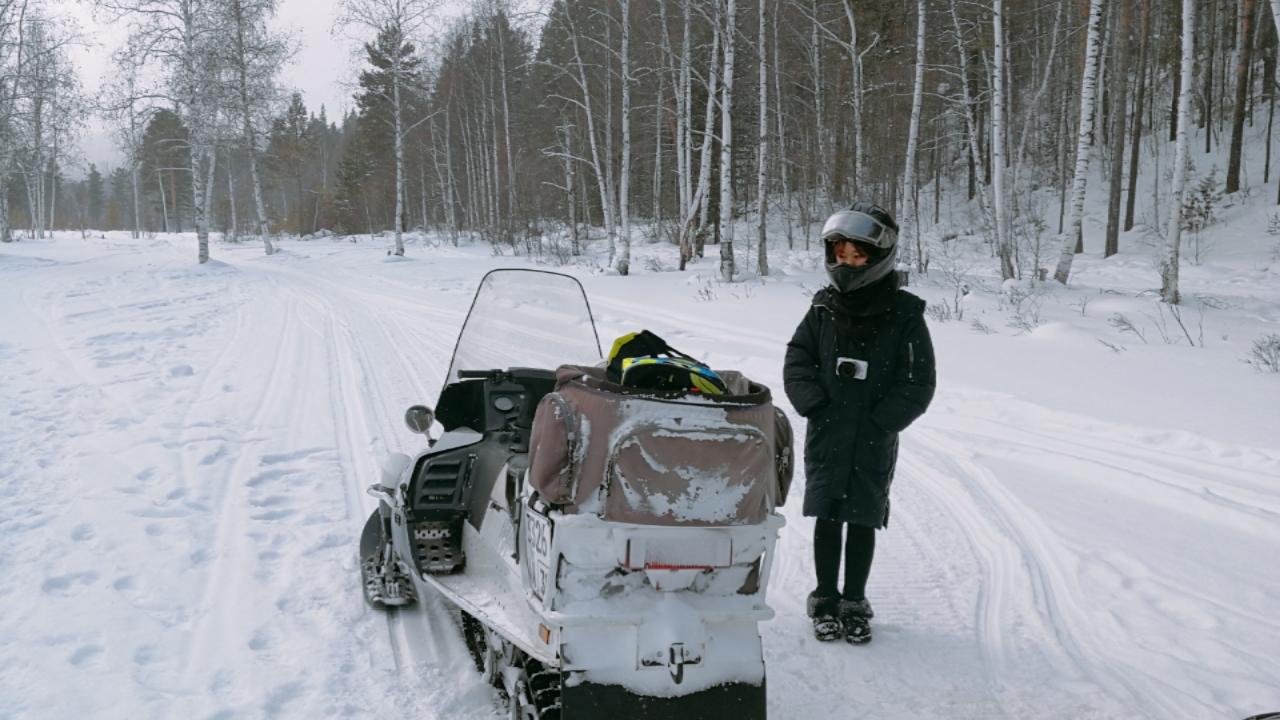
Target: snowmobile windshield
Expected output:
[526,318]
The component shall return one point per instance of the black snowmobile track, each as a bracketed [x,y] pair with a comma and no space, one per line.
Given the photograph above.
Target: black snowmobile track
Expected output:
[734,701]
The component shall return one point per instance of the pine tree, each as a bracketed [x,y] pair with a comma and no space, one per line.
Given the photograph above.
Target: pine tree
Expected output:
[94,198]
[291,148]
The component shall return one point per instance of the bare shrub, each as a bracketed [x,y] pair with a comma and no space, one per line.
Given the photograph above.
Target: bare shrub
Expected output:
[1025,302]
[1265,353]
[979,326]
[939,312]
[953,264]
[1122,323]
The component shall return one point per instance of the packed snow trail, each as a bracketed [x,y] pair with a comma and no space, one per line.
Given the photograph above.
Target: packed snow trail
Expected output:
[186,448]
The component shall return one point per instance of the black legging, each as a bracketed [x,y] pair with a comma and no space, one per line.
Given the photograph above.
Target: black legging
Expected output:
[859,549]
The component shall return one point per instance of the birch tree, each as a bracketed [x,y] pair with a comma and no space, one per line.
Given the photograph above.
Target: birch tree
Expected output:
[253,55]
[726,144]
[624,184]
[179,36]
[12,16]
[1173,238]
[1084,140]
[125,105]
[578,75]
[968,103]
[400,21]
[701,199]
[912,214]
[1005,251]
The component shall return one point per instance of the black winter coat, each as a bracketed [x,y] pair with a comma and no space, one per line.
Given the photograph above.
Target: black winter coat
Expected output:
[851,445]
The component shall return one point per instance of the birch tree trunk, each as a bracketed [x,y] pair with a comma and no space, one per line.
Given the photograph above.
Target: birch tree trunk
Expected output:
[912,214]
[624,183]
[231,198]
[605,204]
[264,228]
[782,138]
[506,126]
[815,61]
[1005,248]
[859,140]
[198,154]
[971,122]
[395,89]
[137,200]
[1087,91]
[6,232]
[450,186]
[762,153]
[1173,238]
[1275,17]
[726,146]
[700,202]
[656,213]
[680,80]
[164,203]
[686,115]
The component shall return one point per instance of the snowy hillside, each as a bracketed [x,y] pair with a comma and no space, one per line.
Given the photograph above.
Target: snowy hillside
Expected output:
[1086,524]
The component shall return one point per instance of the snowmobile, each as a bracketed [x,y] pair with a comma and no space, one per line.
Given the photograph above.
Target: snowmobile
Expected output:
[608,548]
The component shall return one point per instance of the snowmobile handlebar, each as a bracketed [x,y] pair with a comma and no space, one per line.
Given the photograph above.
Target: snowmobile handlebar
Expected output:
[479,374]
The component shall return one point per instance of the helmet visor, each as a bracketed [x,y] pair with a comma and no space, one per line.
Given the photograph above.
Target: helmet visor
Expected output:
[854,225]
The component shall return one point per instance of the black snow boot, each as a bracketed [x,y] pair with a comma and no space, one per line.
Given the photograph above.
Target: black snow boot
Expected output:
[854,615]
[824,609]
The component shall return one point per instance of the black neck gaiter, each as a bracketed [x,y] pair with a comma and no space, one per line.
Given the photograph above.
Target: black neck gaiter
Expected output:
[859,313]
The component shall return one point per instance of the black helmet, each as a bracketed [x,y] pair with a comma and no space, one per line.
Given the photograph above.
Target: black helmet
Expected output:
[874,231]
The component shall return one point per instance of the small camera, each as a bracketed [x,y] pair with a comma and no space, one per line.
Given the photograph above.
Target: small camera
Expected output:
[851,369]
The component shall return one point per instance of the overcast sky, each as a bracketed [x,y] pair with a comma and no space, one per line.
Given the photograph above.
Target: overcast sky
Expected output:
[319,70]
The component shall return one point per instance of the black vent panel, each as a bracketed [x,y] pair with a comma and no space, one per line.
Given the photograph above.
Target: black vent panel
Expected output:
[442,487]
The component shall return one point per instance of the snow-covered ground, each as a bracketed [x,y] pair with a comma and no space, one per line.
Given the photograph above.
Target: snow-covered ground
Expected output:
[1086,524]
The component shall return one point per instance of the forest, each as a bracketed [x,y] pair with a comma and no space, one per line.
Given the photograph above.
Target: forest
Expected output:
[554,128]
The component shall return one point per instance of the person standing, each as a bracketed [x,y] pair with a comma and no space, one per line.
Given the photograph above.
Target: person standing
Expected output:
[859,369]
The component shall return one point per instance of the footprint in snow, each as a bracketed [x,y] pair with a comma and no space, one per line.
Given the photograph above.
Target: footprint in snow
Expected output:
[181,371]
[328,542]
[267,476]
[273,515]
[65,585]
[261,640]
[287,457]
[85,655]
[82,532]
[280,697]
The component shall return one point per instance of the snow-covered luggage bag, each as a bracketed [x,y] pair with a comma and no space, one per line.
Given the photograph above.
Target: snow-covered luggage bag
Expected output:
[663,506]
